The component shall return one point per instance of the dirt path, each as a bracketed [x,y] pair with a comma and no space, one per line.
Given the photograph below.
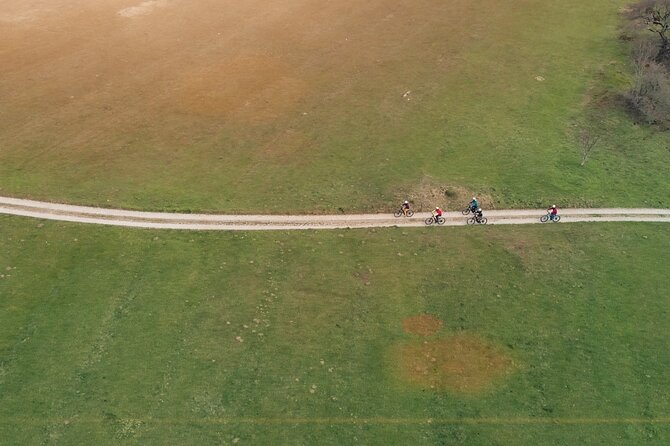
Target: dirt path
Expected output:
[164,220]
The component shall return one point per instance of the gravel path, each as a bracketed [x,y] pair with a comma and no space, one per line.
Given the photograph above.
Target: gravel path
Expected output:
[165,220]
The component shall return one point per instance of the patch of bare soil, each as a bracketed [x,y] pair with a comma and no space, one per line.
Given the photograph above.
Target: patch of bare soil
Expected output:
[427,194]
[422,325]
[462,364]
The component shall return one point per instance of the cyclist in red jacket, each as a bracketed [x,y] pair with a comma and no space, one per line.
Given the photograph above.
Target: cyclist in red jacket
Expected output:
[437,213]
[553,212]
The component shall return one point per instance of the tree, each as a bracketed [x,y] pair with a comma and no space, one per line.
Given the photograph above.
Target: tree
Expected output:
[587,142]
[655,16]
[649,95]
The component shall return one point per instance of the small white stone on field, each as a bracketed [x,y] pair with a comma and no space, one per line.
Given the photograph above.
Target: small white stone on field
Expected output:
[539,78]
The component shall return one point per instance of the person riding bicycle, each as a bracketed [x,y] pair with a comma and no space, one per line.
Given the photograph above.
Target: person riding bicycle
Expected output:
[437,213]
[474,204]
[553,212]
[479,214]
[405,207]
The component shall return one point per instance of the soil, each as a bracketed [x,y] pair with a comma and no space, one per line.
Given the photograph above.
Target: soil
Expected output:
[427,194]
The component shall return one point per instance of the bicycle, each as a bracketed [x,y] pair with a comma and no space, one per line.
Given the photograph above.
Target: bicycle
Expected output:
[439,220]
[554,218]
[473,220]
[400,213]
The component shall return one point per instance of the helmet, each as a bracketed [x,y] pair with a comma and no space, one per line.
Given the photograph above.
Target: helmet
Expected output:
[474,198]
[406,202]
[553,206]
[479,209]
[437,208]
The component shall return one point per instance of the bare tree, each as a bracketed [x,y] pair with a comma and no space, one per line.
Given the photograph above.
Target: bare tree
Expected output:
[655,16]
[642,56]
[649,95]
[587,142]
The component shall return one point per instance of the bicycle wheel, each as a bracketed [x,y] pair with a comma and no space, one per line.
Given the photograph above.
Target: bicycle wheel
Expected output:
[544,219]
[471,221]
[484,220]
[397,213]
[557,219]
[465,211]
[429,221]
[409,213]
[440,220]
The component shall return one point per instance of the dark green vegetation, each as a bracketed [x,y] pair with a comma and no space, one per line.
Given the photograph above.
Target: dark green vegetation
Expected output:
[316,106]
[111,336]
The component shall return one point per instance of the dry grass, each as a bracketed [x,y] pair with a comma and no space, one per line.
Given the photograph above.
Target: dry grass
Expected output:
[461,363]
[422,325]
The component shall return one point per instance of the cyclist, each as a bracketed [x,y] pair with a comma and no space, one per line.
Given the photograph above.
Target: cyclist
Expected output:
[474,204]
[437,213]
[479,214]
[405,207]
[553,212]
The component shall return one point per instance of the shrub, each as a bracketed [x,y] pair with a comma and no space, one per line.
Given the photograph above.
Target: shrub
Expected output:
[650,94]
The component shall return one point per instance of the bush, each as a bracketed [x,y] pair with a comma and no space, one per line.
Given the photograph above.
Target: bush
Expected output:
[649,96]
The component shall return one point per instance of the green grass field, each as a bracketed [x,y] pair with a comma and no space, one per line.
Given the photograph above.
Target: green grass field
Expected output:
[342,135]
[113,336]
[528,335]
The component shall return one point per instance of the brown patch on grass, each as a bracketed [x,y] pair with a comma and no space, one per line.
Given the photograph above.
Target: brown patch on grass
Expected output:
[462,364]
[422,325]
[248,86]
[136,84]
[285,145]
[363,276]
